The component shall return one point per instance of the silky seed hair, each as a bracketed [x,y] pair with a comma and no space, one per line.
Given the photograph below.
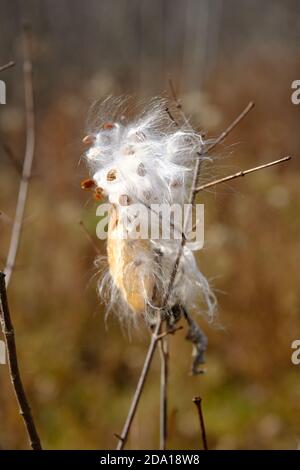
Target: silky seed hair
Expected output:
[143,157]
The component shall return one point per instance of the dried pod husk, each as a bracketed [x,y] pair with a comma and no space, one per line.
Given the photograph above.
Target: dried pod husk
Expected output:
[99,194]
[149,160]
[130,263]
[108,126]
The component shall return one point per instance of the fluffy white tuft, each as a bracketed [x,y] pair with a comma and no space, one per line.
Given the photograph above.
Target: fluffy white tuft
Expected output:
[148,160]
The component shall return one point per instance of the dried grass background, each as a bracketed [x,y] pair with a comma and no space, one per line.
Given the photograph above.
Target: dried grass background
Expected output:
[80,376]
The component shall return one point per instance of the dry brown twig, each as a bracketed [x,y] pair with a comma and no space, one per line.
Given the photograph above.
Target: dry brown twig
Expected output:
[177,103]
[28,159]
[238,175]
[198,403]
[12,358]
[241,173]
[6,322]
[164,376]
[153,343]
[155,338]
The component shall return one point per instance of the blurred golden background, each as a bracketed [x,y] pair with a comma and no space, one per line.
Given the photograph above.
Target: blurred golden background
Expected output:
[79,373]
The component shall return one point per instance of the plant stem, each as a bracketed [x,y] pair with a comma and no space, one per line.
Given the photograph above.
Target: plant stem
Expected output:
[15,376]
[198,403]
[28,159]
[164,372]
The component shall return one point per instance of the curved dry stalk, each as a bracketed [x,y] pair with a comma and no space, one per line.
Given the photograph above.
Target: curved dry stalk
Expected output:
[155,338]
[139,388]
[177,104]
[153,343]
[198,403]
[230,128]
[5,318]
[28,159]
[164,376]
[8,333]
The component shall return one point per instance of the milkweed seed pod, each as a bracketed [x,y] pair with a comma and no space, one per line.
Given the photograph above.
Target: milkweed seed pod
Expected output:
[148,160]
[131,265]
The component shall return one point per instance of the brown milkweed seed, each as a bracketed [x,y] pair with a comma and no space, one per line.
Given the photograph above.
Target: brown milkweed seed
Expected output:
[98,194]
[108,126]
[87,184]
[88,139]
[141,170]
[111,175]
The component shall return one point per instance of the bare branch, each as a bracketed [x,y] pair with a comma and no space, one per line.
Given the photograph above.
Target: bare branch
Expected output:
[28,159]
[140,386]
[174,94]
[164,373]
[7,66]
[155,338]
[230,128]
[177,103]
[241,173]
[169,331]
[198,403]
[169,113]
[8,333]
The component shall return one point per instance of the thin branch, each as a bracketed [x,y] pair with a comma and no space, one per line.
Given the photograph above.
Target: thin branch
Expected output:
[230,128]
[7,66]
[140,386]
[174,94]
[8,333]
[164,375]
[28,159]
[155,338]
[169,113]
[90,238]
[198,403]
[169,331]
[177,102]
[241,173]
